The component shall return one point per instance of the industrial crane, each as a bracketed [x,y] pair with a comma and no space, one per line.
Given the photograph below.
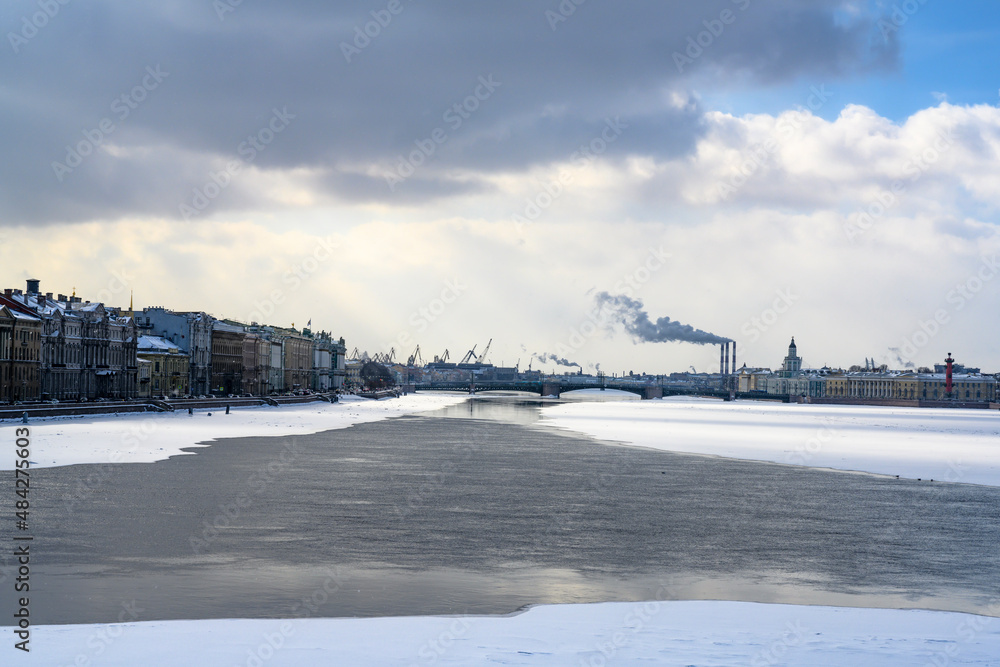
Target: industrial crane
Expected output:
[469,356]
[385,358]
[415,358]
[441,360]
[482,357]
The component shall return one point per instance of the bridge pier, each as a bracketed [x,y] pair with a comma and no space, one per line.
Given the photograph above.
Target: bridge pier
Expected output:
[652,392]
[551,389]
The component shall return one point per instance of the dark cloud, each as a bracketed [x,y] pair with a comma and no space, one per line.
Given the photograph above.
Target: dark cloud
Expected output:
[353,120]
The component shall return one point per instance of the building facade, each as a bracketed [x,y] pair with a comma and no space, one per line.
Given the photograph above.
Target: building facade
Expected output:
[169,374]
[227,359]
[145,378]
[87,350]
[192,333]
[296,359]
[256,364]
[20,356]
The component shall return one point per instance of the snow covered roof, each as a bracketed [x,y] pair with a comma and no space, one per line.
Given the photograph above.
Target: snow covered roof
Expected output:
[222,326]
[17,315]
[156,344]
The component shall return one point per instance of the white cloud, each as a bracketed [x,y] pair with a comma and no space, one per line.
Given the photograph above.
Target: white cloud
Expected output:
[784,228]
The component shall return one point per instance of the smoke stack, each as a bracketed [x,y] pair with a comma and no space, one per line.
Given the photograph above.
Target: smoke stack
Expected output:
[727,359]
[722,359]
[734,357]
[33,286]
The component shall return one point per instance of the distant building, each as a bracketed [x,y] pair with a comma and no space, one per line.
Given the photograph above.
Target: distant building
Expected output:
[296,359]
[965,387]
[87,350]
[276,376]
[227,358]
[792,363]
[791,380]
[353,369]
[192,333]
[20,355]
[256,364]
[169,374]
[145,376]
[322,363]
[752,379]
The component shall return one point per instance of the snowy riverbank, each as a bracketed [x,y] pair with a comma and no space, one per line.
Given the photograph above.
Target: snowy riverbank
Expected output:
[939,444]
[663,633]
[148,437]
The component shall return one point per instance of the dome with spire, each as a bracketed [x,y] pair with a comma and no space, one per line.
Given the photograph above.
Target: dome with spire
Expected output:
[792,363]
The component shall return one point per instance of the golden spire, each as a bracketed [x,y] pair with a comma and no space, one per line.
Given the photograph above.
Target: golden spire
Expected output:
[131,312]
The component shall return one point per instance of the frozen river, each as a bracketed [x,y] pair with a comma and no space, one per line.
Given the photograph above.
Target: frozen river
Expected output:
[479,509]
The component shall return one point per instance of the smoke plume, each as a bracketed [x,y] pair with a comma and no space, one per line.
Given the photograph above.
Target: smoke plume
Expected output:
[637,324]
[559,361]
[903,363]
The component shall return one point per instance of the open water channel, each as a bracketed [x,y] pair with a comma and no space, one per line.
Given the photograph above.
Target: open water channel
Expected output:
[479,509]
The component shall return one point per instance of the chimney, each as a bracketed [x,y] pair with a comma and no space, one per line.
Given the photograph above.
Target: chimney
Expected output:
[32,285]
[8,292]
[722,360]
[734,357]
[62,298]
[48,295]
[725,358]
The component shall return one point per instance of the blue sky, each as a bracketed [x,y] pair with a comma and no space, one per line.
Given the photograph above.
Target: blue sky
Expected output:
[946,47]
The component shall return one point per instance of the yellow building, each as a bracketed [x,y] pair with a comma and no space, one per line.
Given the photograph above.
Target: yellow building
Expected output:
[965,387]
[169,374]
[836,386]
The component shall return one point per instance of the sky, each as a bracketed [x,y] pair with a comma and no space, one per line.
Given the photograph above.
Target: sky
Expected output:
[443,174]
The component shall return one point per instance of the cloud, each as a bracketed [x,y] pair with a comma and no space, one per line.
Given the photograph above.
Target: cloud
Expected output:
[938,160]
[225,76]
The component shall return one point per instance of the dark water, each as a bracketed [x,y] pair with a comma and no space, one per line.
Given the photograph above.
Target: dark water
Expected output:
[480,510]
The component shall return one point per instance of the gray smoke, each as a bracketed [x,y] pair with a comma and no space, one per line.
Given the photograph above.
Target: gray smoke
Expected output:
[903,363]
[559,361]
[637,324]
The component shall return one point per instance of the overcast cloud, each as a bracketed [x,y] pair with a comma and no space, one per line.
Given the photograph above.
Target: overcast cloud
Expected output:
[224,71]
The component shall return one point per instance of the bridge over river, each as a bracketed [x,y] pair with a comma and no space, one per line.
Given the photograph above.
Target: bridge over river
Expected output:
[645,390]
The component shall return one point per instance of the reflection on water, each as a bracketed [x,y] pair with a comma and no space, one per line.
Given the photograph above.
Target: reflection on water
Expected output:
[479,509]
[520,407]
[264,589]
